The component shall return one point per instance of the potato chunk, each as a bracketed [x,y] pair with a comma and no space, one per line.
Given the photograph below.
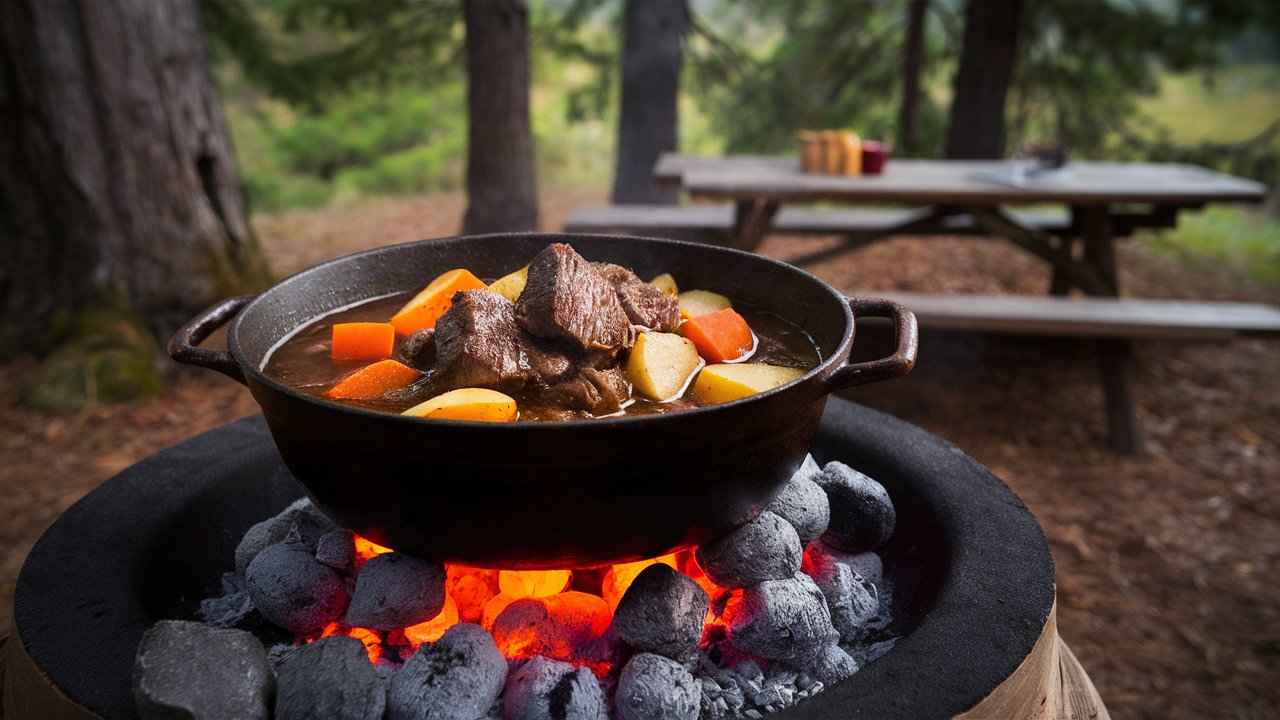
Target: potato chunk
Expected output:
[477,404]
[694,303]
[510,286]
[661,364]
[666,284]
[724,383]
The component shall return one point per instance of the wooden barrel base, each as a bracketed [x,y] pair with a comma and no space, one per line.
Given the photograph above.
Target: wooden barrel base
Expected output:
[1049,685]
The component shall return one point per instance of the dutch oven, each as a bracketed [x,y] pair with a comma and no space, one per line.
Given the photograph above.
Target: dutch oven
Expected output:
[544,494]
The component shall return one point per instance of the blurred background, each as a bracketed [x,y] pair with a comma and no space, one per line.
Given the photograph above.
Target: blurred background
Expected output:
[308,129]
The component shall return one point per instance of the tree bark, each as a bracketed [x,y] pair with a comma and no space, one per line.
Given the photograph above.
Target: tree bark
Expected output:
[987,57]
[652,55]
[912,65]
[502,192]
[117,177]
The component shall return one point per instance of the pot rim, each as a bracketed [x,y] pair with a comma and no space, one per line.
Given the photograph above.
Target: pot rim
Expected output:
[824,368]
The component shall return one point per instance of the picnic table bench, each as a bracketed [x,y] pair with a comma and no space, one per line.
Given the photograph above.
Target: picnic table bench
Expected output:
[1095,204]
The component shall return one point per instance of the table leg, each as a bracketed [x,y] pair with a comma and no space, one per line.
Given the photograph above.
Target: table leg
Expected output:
[1115,357]
[1059,284]
[752,220]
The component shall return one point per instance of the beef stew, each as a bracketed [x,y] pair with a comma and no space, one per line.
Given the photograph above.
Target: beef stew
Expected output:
[562,338]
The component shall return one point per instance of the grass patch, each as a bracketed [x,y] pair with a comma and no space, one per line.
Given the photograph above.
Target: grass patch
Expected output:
[1232,104]
[1245,240]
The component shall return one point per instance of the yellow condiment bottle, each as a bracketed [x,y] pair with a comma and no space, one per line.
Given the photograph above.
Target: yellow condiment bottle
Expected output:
[810,151]
[832,152]
[852,146]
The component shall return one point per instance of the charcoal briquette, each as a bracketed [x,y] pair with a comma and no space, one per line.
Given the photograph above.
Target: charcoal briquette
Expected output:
[394,590]
[456,678]
[329,678]
[546,689]
[652,687]
[662,612]
[301,517]
[862,515]
[191,670]
[781,619]
[829,664]
[564,626]
[294,590]
[767,548]
[850,598]
[337,549]
[803,503]
[229,611]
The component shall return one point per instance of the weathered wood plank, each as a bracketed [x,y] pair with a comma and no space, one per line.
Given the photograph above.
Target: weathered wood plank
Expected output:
[788,221]
[972,183]
[1091,317]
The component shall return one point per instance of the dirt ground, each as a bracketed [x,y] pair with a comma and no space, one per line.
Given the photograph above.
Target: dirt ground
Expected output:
[1166,560]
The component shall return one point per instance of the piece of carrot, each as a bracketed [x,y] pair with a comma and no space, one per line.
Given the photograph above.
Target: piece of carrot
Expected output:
[721,336]
[373,381]
[427,306]
[363,340]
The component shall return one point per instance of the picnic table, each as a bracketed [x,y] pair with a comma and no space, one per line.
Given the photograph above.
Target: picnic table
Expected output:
[1103,201]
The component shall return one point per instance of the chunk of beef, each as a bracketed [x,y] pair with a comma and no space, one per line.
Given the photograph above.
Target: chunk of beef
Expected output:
[566,300]
[599,392]
[644,304]
[478,344]
[419,349]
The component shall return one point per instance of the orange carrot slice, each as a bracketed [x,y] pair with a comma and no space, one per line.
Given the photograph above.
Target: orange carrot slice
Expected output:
[721,336]
[363,340]
[427,306]
[373,381]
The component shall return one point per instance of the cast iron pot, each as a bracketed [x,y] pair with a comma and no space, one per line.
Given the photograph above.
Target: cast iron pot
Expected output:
[544,495]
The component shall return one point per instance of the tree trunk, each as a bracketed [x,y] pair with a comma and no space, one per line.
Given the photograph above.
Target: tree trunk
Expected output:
[652,54]
[912,65]
[117,178]
[502,193]
[987,57]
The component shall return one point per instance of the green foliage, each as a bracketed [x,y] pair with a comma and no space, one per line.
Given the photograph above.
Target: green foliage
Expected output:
[424,168]
[358,128]
[829,65]
[1242,239]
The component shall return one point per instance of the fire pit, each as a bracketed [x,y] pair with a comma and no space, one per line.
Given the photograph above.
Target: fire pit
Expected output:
[974,575]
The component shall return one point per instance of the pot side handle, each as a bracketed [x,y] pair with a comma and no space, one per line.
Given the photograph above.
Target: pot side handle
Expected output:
[184,346]
[885,368]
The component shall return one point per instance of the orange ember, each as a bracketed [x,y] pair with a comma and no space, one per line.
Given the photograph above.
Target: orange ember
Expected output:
[370,638]
[471,588]
[620,577]
[562,627]
[494,608]
[532,612]
[533,583]
[431,630]
[366,549]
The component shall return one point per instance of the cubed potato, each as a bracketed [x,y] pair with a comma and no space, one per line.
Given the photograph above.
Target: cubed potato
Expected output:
[727,382]
[661,364]
[694,303]
[477,404]
[666,284]
[510,286]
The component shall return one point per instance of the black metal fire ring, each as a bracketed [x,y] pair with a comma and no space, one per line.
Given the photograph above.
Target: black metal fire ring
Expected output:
[153,540]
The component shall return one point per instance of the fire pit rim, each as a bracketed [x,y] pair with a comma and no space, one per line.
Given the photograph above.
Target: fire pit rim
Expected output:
[973,636]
